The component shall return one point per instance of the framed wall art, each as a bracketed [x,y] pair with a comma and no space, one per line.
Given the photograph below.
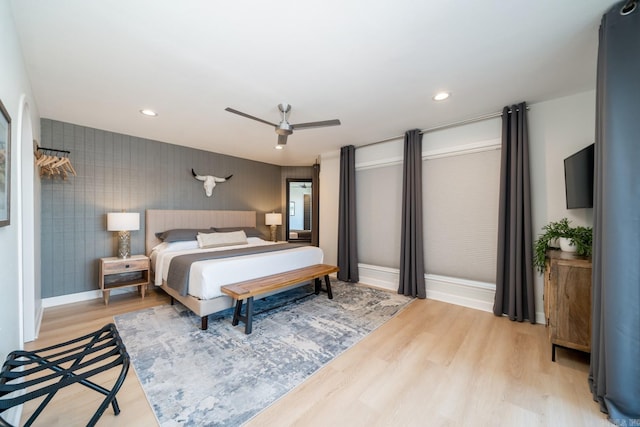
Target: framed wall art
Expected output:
[5,166]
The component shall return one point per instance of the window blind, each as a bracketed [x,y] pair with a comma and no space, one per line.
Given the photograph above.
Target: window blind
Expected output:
[379,199]
[460,197]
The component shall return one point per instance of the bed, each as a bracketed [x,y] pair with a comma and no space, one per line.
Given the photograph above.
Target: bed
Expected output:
[203,296]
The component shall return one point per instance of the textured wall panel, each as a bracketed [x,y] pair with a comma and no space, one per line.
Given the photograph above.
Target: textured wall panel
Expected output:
[117,172]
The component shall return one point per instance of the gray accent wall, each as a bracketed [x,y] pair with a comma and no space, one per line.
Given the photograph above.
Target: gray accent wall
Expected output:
[119,172]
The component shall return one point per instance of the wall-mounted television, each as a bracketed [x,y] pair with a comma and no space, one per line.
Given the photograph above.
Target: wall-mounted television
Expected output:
[578,178]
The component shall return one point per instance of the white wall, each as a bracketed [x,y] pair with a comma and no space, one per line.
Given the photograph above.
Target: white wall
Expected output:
[15,91]
[329,192]
[29,202]
[557,128]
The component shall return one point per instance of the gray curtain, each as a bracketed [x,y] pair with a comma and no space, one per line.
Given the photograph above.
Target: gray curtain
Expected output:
[614,374]
[411,246]
[514,279]
[347,237]
[315,206]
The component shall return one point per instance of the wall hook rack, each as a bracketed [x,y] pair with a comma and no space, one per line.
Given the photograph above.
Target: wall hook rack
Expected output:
[54,162]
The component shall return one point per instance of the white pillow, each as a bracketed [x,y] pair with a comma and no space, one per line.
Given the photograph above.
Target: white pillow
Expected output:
[215,240]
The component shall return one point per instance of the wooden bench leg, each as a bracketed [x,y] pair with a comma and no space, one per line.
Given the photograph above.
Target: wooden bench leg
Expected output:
[247,318]
[236,313]
[318,286]
[328,283]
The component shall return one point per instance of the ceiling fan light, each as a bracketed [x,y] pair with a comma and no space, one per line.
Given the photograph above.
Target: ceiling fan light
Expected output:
[279,147]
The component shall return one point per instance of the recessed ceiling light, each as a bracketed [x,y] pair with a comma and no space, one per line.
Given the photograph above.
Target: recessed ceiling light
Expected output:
[441,96]
[279,147]
[148,112]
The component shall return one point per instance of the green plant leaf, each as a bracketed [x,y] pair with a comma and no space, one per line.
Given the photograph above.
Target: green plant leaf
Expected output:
[580,236]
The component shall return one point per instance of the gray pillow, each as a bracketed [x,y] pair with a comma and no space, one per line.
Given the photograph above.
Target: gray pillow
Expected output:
[180,234]
[249,231]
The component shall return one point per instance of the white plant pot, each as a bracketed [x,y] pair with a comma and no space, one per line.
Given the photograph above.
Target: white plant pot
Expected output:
[566,245]
[555,243]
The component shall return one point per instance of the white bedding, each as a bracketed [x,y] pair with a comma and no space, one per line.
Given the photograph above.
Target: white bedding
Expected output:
[206,277]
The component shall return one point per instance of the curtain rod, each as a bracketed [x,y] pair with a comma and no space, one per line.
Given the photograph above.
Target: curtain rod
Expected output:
[440,127]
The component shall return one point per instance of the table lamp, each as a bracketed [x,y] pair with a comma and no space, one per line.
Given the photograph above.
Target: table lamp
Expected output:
[123,222]
[273,220]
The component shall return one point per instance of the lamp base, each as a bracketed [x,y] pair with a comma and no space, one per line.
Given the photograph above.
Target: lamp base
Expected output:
[273,233]
[124,244]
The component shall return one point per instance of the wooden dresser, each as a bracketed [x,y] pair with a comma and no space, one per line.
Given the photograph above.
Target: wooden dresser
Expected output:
[567,301]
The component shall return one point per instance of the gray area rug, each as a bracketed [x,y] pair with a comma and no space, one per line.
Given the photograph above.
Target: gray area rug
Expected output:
[222,377]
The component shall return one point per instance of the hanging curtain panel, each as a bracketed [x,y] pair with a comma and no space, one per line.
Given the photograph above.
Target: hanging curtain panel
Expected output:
[614,374]
[347,236]
[514,277]
[411,243]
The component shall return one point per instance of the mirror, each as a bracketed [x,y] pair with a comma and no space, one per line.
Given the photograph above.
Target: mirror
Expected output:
[299,217]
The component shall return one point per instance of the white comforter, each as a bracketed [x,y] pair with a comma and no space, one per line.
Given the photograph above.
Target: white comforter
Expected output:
[206,277]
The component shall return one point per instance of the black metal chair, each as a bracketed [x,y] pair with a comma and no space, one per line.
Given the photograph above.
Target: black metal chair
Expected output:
[28,375]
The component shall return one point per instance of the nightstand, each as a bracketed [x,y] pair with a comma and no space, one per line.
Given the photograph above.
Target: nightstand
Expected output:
[123,272]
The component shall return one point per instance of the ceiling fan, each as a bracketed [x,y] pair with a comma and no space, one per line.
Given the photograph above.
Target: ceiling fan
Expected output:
[284,128]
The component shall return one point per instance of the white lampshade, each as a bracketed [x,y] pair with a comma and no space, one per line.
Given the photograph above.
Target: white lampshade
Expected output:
[123,221]
[273,219]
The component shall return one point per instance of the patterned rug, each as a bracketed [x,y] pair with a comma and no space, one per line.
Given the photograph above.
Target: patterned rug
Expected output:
[222,377]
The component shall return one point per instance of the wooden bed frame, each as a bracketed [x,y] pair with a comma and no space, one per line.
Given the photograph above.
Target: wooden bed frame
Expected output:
[162,220]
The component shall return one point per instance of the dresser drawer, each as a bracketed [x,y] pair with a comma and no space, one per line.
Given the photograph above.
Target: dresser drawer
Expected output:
[124,266]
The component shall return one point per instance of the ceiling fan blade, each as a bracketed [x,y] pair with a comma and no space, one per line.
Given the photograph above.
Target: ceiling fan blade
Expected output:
[335,122]
[282,139]
[240,113]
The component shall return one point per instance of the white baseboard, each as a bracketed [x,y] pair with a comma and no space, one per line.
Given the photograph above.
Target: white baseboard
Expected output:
[379,277]
[452,290]
[81,296]
[467,293]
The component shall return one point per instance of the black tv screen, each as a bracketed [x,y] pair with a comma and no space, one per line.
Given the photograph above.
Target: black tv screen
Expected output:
[578,178]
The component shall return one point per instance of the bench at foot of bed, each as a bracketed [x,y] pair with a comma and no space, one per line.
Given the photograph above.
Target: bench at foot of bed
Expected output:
[251,288]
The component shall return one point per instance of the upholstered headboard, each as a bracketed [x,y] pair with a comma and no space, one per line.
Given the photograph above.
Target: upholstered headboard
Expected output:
[162,220]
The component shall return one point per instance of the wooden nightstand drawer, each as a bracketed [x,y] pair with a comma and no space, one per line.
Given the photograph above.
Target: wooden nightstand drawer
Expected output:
[125,265]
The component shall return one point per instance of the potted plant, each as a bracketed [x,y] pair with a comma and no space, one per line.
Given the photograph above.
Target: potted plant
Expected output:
[578,238]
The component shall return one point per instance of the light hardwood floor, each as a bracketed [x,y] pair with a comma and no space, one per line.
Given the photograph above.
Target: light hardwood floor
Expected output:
[434,364]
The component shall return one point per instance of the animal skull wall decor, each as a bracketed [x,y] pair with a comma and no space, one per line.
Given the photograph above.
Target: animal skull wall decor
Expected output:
[209,181]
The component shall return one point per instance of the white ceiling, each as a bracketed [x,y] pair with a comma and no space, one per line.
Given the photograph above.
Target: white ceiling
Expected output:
[372,64]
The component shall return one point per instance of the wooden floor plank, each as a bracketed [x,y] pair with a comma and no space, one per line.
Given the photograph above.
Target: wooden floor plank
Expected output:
[434,364]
